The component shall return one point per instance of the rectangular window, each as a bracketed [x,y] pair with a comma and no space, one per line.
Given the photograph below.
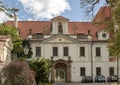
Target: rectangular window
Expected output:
[82,51]
[65,51]
[38,51]
[82,71]
[55,51]
[98,51]
[98,71]
[111,71]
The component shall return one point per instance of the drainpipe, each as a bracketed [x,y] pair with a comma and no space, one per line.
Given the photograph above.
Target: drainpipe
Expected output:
[92,61]
[91,44]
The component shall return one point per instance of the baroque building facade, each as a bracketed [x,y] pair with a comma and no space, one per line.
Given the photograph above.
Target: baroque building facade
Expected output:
[76,49]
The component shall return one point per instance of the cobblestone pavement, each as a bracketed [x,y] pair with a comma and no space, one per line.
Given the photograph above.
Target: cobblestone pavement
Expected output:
[85,84]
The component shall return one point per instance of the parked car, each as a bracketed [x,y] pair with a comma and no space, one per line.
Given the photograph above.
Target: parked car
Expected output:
[100,78]
[112,78]
[87,79]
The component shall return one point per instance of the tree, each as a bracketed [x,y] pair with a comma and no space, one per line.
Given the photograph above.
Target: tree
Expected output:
[42,68]
[17,42]
[5,30]
[114,41]
[88,6]
[112,24]
[17,73]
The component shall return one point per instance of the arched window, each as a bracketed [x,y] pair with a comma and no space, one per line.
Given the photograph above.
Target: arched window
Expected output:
[60,30]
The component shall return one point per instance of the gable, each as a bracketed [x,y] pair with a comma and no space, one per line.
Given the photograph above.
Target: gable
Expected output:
[59,18]
[60,38]
[103,14]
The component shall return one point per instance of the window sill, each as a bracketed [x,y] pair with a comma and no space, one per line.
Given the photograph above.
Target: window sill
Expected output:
[98,56]
[54,56]
[66,56]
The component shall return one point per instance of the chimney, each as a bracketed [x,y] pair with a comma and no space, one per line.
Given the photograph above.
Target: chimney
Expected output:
[15,20]
[89,35]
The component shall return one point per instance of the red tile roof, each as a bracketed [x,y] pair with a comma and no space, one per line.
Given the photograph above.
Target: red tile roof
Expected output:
[35,26]
[73,27]
[103,13]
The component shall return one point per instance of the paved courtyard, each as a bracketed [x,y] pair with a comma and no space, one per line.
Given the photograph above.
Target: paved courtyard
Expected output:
[85,84]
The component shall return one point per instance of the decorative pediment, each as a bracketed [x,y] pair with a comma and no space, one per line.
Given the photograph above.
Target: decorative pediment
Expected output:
[60,18]
[60,38]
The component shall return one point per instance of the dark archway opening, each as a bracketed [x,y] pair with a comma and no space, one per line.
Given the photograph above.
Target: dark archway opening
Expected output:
[60,72]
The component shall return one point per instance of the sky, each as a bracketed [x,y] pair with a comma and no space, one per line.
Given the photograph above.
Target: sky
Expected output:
[34,10]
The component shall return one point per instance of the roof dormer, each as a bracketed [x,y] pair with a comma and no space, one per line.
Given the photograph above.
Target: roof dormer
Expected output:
[103,35]
[59,25]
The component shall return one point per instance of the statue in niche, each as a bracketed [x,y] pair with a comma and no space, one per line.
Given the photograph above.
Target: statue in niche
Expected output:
[60,30]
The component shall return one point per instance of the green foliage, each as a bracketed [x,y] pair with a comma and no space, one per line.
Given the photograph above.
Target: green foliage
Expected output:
[17,73]
[17,42]
[114,42]
[9,30]
[42,68]
[114,45]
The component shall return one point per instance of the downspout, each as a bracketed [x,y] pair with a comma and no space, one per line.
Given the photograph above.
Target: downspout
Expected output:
[92,60]
[91,44]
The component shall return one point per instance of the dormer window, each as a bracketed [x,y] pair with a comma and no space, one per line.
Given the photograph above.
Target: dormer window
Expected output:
[60,30]
[80,35]
[39,35]
[104,35]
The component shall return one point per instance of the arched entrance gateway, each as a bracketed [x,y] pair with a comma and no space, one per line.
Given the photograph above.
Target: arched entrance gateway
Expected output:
[61,71]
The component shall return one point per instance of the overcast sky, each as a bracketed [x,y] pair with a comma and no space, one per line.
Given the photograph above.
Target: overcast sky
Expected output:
[47,9]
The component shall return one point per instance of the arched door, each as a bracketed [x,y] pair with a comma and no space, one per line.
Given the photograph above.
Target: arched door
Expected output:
[60,72]
[60,75]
